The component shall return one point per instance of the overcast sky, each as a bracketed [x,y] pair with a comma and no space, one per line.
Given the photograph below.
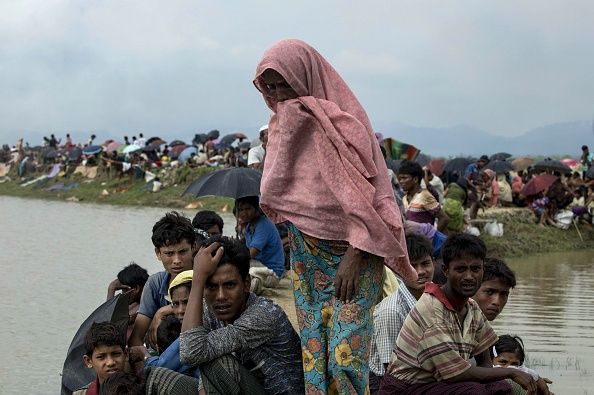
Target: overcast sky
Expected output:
[174,68]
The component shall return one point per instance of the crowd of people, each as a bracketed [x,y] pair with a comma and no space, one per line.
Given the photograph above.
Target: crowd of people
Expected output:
[393,293]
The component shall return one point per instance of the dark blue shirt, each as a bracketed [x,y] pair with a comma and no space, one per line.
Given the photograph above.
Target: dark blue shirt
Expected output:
[264,237]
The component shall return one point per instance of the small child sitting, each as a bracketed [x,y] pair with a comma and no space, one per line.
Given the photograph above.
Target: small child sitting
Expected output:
[169,330]
[508,352]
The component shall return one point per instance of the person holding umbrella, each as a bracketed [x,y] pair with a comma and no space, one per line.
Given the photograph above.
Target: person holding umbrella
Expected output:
[324,175]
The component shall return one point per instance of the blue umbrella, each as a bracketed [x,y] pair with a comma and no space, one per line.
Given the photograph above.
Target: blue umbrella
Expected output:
[187,153]
[92,150]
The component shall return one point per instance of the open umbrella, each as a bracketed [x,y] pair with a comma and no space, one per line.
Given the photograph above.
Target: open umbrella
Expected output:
[423,160]
[187,153]
[176,142]
[155,141]
[131,148]
[92,150]
[538,184]
[552,165]
[113,146]
[522,163]
[457,165]
[74,373]
[213,135]
[436,166]
[49,153]
[500,156]
[500,166]
[234,182]
[150,148]
[393,164]
[176,150]
[74,154]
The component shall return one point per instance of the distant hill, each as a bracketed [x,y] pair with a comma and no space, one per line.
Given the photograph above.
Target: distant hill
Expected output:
[554,139]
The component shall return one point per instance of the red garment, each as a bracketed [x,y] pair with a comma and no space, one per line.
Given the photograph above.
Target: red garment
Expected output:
[324,170]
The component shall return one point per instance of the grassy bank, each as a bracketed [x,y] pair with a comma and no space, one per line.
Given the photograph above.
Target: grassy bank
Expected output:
[521,235]
[122,191]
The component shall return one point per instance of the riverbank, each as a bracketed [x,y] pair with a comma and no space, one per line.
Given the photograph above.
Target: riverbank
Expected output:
[521,235]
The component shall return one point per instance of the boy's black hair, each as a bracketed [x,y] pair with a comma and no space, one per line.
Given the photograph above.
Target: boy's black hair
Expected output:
[168,330]
[103,334]
[173,228]
[508,343]
[133,275]
[206,219]
[496,268]
[235,253]
[418,247]
[462,245]
[412,169]
[122,383]
[253,201]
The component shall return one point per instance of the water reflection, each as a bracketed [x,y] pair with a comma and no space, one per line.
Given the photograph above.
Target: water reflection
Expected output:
[552,309]
[58,258]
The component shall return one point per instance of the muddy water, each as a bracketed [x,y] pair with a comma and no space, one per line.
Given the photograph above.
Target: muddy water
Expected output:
[56,260]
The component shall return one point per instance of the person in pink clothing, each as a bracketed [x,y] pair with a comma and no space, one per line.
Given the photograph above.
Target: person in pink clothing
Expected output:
[325,176]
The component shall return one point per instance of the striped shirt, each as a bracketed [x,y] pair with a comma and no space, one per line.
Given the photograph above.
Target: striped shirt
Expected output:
[433,345]
[388,318]
[262,337]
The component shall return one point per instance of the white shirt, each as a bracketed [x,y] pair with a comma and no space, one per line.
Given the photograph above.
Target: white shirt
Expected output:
[256,155]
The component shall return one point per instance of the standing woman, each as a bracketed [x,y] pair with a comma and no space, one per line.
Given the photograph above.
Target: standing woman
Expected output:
[324,174]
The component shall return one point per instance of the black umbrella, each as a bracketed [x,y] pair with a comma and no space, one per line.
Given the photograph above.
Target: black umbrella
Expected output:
[500,156]
[552,165]
[74,154]
[75,374]
[500,166]
[150,148]
[200,138]
[213,135]
[226,141]
[155,141]
[393,164]
[457,164]
[423,160]
[49,153]
[235,182]
[176,142]
[244,145]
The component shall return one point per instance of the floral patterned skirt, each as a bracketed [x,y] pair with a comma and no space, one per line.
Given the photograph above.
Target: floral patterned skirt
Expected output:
[335,336]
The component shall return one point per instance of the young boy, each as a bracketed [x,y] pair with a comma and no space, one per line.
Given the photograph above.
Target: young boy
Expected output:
[105,352]
[262,239]
[445,329]
[390,313]
[238,335]
[208,222]
[175,243]
[497,281]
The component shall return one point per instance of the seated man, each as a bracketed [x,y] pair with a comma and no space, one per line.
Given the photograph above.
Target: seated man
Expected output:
[130,279]
[263,240]
[390,313]
[419,204]
[445,329]
[208,223]
[236,338]
[175,242]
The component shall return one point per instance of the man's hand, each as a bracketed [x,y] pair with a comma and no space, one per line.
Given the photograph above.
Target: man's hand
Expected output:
[525,380]
[346,283]
[115,286]
[205,264]
[542,386]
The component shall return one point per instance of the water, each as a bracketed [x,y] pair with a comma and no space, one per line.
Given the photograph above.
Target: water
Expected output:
[57,259]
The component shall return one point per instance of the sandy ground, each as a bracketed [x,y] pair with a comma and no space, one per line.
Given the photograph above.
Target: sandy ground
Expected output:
[283,296]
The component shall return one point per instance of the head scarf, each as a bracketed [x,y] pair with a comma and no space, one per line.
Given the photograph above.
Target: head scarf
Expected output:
[324,170]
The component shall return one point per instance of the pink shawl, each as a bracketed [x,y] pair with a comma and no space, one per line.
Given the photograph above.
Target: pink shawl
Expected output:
[324,170]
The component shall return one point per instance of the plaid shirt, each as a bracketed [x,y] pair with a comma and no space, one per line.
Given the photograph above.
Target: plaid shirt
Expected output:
[388,318]
[434,345]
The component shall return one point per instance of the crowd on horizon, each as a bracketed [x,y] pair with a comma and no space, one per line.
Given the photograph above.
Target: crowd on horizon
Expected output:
[393,290]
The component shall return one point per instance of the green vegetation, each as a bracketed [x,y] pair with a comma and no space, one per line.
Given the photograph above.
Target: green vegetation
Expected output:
[522,236]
